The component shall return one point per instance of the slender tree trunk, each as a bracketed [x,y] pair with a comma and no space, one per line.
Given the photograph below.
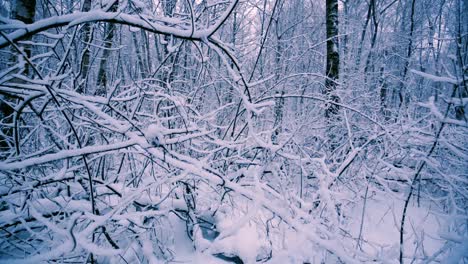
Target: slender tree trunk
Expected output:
[373,40]
[168,8]
[409,52]
[345,42]
[333,57]
[363,35]
[279,101]
[462,56]
[85,60]
[101,88]
[383,91]
[141,72]
[233,41]
[146,51]
[279,105]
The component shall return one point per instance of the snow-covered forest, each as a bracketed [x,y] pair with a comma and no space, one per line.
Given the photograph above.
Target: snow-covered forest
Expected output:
[233,131]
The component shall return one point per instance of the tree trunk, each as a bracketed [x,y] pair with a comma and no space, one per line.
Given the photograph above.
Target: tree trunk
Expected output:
[333,57]
[101,89]
[85,60]
[363,35]
[24,11]
[279,105]
[462,54]
[402,93]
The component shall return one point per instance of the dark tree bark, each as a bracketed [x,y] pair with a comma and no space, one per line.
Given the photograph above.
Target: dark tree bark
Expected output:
[101,88]
[462,54]
[363,34]
[85,59]
[333,57]
[279,105]
[402,92]
[23,10]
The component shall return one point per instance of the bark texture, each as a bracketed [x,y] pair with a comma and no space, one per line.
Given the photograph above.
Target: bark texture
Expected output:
[333,57]
[24,11]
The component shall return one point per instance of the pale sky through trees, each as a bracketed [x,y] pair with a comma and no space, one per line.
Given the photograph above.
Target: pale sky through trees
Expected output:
[237,131]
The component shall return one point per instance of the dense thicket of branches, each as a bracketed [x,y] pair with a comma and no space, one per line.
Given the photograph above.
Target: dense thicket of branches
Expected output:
[120,119]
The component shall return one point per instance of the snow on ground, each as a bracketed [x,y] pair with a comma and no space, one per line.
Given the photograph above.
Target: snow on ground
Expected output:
[381,228]
[380,237]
